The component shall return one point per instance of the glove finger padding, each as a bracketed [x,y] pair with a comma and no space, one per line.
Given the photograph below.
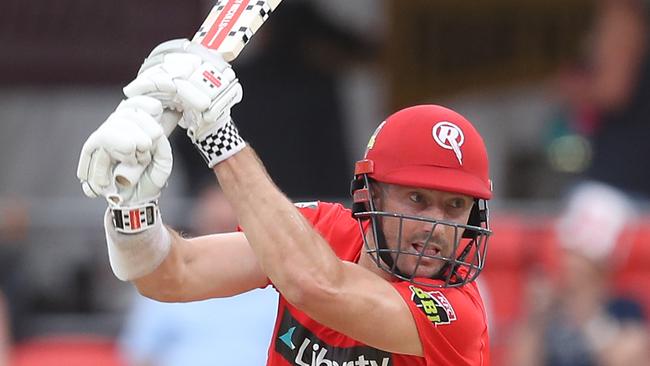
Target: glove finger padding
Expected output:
[149,105]
[148,109]
[130,142]
[205,86]
[94,171]
[208,55]
[156,55]
[150,174]
[154,83]
[199,125]
[230,97]
[160,167]
[169,120]
[122,139]
[161,77]
[191,97]
[115,142]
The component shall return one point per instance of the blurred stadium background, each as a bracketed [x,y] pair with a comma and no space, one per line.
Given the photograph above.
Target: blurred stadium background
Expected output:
[317,79]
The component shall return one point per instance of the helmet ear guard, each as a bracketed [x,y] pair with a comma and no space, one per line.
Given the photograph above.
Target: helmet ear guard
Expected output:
[360,187]
[478,217]
[360,195]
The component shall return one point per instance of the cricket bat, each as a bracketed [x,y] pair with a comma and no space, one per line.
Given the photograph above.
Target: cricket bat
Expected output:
[227,29]
[232,23]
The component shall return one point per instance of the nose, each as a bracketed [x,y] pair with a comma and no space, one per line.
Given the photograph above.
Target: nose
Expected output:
[431,231]
[434,231]
[433,212]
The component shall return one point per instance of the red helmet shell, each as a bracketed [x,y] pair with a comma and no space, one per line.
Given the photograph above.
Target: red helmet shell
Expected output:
[432,147]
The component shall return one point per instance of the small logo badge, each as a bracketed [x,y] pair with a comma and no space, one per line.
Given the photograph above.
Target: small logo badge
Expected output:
[286,338]
[434,305]
[450,137]
[373,138]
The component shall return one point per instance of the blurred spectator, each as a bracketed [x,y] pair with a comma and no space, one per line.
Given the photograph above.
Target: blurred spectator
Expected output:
[14,223]
[204,332]
[5,337]
[578,320]
[609,96]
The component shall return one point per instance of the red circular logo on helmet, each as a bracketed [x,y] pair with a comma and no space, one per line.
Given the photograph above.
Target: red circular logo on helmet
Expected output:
[449,136]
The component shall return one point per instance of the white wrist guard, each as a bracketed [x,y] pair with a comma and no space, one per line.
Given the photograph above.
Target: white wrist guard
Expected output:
[141,251]
[220,144]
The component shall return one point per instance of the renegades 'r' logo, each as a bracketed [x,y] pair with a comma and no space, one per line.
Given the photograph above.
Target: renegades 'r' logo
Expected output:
[450,137]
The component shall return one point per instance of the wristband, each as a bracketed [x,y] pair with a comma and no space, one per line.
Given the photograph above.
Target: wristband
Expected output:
[133,255]
[134,219]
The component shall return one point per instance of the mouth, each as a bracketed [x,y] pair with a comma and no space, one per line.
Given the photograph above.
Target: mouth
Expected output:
[431,250]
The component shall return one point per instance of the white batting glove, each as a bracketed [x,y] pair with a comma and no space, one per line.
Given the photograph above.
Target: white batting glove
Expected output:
[130,140]
[190,78]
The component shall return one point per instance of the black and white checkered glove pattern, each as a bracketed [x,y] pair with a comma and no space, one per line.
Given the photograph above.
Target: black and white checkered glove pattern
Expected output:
[221,144]
[196,81]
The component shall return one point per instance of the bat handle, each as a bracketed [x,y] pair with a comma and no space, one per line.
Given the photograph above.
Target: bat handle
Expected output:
[127,175]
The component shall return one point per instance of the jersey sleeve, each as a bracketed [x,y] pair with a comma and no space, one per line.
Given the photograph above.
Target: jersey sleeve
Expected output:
[451,323]
[335,224]
[310,210]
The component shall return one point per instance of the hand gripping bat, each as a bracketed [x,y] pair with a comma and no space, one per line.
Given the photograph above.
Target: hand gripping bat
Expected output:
[227,29]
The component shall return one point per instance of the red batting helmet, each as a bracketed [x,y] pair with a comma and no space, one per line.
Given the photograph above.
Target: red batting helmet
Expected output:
[428,146]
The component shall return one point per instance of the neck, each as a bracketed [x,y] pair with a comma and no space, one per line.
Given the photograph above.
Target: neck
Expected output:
[366,261]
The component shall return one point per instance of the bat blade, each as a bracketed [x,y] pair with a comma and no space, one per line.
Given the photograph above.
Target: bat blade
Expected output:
[231,24]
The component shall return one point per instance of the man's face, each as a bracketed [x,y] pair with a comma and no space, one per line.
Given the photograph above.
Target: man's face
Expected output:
[415,235]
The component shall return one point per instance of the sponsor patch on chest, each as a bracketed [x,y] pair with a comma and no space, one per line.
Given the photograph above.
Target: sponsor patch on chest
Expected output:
[301,347]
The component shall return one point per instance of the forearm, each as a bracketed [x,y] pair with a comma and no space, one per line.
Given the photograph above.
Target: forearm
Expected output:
[291,253]
[218,265]
[165,283]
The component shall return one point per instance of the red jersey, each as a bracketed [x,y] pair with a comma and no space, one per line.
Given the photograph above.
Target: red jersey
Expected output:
[451,321]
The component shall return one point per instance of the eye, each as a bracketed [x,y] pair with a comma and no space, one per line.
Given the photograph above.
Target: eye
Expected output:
[458,203]
[416,197]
